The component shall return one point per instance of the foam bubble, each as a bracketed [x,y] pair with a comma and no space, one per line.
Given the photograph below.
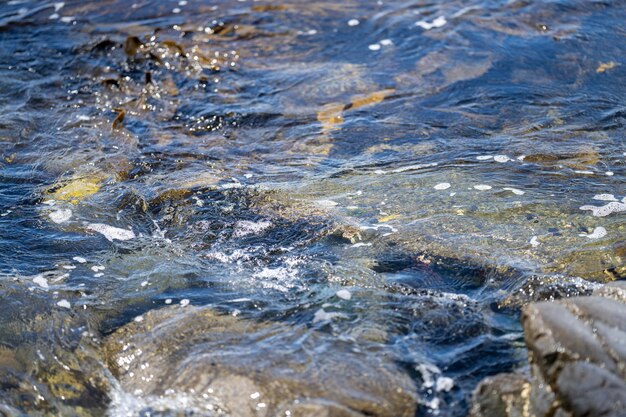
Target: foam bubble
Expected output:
[501,158]
[64,304]
[605,197]
[79,259]
[598,233]
[60,216]
[353,22]
[603,211]
[374,47]
[437,23]
[442,186]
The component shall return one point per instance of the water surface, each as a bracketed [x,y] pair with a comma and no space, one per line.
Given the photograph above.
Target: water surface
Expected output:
[401,176]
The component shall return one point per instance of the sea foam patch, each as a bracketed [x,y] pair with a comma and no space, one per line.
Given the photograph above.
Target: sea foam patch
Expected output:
[603,211]
[111,233]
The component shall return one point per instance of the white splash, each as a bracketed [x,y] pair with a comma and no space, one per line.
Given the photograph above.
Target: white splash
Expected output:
[79,259]
[437,23]
[60,216]
[245,228]
[64,304]
[111,233]
[534,242]
[444,384]
[353,22]
[484,157]
[442,186]
[598,233]
[374,47]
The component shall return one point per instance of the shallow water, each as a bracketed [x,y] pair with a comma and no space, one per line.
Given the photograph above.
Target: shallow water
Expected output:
[399,175]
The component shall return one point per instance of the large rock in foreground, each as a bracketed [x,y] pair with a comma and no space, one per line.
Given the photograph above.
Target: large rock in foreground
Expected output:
[577,353]
[180,360]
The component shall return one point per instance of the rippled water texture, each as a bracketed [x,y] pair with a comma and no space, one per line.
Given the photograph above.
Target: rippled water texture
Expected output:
[219,207]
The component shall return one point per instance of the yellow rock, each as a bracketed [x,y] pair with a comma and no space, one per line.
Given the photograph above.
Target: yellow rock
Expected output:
[605,66]
[77,189]
[388,218]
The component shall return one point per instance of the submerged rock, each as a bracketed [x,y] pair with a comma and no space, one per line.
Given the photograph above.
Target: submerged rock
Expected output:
[227,365]
[577,356]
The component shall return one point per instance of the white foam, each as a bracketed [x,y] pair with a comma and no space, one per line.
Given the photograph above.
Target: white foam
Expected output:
[501,158]
[111,233]
[386,42]
[442,186]
[245,228]
[444,384]
[603,211]
[514,191]
[353,22]
[64,304]
[41,281]
[414,167]
[374,47]
[482,187]
[344,294]
[534,242]
[60,216]
[79,259]
[598,233]
[484,157]
[184,302]
[437,23]
[322,315]
[605,197]
[584,172]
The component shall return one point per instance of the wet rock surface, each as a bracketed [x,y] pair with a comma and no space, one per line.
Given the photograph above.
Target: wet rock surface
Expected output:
[577,361]
[187,358]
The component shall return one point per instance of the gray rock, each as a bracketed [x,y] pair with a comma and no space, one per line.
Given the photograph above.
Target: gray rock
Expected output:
[577,354]
[236,366]
[502,395]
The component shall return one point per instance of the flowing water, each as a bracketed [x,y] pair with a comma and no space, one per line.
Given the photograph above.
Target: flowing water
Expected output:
[383,184]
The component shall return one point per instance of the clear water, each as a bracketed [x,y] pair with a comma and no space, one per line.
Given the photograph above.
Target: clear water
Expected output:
[431,158]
